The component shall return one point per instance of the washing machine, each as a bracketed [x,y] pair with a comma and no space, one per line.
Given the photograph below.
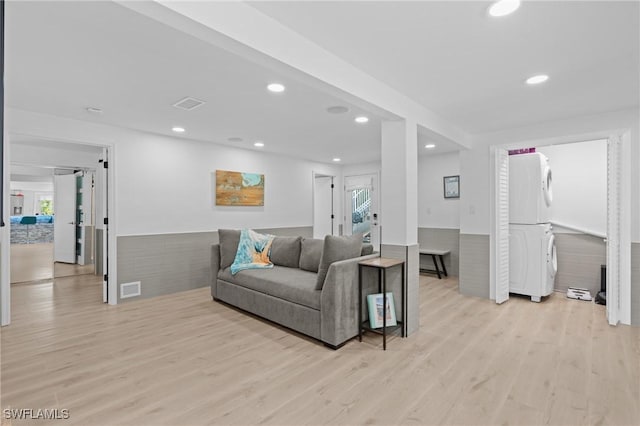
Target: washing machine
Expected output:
[530,190]
[532,260]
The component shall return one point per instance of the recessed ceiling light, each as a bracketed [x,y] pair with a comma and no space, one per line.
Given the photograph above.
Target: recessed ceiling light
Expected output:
[504,7]
[537,79]
[337,160]
[361,119]
[94,110]
[178,129]
[338,109]
[234,139]
[430,146]
[259,144]
[276,87]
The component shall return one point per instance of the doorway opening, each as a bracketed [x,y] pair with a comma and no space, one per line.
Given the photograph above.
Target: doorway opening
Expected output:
[597,225]
[52,223]
[323,205]
[58,213]
[361,204]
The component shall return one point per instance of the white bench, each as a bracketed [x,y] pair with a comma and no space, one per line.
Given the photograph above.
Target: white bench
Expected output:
[433,253]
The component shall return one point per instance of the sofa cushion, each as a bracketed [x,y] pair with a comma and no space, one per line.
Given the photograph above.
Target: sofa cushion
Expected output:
[285,251]
[310,253]
[367,249]
[290,284]
[336,249]
[229,240]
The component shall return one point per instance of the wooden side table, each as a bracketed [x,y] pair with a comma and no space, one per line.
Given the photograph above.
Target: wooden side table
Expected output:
[382,264]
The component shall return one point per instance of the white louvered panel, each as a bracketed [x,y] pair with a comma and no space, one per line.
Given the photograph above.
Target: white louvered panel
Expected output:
[502,226]
[613,229]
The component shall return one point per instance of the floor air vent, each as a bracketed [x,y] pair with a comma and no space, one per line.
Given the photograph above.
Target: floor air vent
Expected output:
[188,103]
[130,290]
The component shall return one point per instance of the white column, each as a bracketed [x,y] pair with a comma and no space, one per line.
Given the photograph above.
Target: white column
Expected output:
[399,207]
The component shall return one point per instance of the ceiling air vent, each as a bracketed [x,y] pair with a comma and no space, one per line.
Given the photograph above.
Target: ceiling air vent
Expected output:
[188,103]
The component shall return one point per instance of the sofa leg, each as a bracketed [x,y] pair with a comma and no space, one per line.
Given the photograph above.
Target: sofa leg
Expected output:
[334,347]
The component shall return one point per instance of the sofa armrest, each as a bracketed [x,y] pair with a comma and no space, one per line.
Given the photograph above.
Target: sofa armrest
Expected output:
[339,301]
[215,268]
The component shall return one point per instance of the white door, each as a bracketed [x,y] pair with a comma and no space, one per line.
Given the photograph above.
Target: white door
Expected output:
[502,226]
[64,223]
[322,206]
[101,213]
[361,207]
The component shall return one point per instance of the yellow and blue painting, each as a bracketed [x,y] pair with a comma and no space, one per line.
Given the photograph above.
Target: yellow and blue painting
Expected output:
[239,189]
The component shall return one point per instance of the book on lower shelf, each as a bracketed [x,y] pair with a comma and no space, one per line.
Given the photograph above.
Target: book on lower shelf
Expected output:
[374,303]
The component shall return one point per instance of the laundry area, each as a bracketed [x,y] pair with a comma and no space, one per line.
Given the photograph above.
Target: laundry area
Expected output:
[557,220]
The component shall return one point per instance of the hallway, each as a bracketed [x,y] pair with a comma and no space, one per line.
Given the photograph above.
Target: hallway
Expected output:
[34,262]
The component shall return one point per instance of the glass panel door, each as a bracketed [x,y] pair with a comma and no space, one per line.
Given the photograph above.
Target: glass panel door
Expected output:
[361,213]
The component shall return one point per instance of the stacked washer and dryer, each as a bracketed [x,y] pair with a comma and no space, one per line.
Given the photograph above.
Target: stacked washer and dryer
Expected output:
[532,252]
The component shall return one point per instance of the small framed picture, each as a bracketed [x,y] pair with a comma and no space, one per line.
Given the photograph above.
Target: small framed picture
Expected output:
[374,302]
[451,186]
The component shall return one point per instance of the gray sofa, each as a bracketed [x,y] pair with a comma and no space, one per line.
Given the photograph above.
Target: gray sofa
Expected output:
[312,287]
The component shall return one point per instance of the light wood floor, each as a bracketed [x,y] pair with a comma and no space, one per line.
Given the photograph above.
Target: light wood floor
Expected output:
[185,360]
[34,262]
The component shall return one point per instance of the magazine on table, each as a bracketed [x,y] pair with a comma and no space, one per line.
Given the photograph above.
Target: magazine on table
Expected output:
[374,302]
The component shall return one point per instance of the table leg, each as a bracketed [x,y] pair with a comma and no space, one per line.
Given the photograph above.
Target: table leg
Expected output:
[435,263]
[360,303]
[403,302]
[384,309]
[444,268]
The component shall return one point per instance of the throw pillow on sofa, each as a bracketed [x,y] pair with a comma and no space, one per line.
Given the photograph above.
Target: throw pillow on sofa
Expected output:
[285,251]
[310,253]
[336,249]
[253,251]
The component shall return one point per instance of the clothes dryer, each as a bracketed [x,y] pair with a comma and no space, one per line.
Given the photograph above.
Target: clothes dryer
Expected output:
[532,260]
[530,190]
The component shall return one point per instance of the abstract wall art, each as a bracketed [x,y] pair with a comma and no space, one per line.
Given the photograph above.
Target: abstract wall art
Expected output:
[239,189]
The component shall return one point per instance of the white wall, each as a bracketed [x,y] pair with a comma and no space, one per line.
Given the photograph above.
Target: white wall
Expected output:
[434,211]
[165,184]
[30,190]
[475,185]
[579,185]
[361,169]
[32,186]
[172,190]
[475,164]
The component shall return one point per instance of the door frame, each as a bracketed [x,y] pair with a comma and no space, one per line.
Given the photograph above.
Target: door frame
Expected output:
[620,312]
[5,260]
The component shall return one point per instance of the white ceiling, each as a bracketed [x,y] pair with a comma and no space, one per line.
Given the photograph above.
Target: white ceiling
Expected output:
[65,56]
[470,68]
[25,173]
